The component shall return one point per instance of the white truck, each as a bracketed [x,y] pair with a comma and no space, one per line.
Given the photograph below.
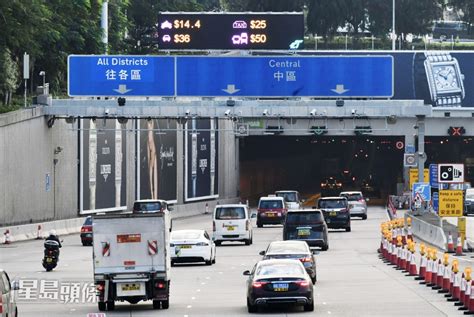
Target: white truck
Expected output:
[131,259]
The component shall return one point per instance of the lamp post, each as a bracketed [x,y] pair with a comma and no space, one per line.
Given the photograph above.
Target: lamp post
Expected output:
[393,26]
[43,74]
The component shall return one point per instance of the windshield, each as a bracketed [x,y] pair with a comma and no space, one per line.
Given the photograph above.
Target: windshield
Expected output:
[332,203]
[280,269]
[470,196]
[287,248]
[352,197]
[270,204]
[146,206]
[230,213]
[304,217]
[288,196]
[185,235]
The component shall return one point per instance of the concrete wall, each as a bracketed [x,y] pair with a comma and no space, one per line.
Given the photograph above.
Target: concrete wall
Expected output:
[27,155]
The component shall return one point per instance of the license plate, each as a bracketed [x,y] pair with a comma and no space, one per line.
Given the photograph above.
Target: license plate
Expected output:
[304,232]
[130,287]
[49,260]
[333,213]
[230,228]
[280,287]
[271,215]
[186,247]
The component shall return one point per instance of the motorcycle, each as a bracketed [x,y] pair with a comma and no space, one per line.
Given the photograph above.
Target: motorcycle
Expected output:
[51,254]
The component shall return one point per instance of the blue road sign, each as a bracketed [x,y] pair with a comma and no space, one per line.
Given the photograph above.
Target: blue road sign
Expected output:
[434,175]
[435,201]
[423,190]
[410,148]
[109,75]
[315,76]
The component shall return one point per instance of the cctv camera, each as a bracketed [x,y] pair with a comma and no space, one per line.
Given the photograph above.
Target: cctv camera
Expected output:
[227,113]
[188,112]
[265,112]
[42,73]
[353,111]
[107,111]
[313,112]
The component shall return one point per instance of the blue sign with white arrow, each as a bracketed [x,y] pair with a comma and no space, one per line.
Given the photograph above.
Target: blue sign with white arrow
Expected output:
[314,76]
[109,75]
[423,190]
[435,201]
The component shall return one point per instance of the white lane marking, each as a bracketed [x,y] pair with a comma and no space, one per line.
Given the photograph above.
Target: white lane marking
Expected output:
[324,303]
[329,312]
[193,298]
[221,272]
[198,290]
[73,309]
[189,306]
[203,283]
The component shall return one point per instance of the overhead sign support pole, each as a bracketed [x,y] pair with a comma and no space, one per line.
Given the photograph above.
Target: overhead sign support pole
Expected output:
[421,151]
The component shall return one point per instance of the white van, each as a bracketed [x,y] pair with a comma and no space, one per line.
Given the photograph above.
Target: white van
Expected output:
[232,223]
[291,197]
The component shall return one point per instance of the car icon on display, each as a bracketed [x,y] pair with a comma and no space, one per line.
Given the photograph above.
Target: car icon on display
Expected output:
[166,25]
[239,24]
[166,38]
[243,38]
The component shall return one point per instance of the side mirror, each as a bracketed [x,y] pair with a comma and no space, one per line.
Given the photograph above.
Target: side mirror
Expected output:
[253,215]
[315,252]
[15,285]
[247,272]
[262,253]
[170,208]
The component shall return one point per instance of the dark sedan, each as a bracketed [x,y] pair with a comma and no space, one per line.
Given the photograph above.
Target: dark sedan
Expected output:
[306,225]
[331,187]
[86,231]
[336,212]
[292,249]
[279,282]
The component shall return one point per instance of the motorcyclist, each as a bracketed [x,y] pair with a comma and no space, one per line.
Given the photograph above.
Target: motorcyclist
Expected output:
[53,237]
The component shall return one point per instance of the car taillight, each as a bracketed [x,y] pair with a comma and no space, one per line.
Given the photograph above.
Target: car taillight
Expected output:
[160,285]
[86,229]
[339,184]
[1,305]
[323,185]
[361,200]
[202,244]
[306,259]
[258,284]
[100,287]
[303,283]
[83,229]
[213,226]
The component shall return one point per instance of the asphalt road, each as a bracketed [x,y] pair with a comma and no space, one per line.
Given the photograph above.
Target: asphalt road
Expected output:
[352,280]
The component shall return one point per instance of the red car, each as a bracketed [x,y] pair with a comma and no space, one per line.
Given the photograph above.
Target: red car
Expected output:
[86,232]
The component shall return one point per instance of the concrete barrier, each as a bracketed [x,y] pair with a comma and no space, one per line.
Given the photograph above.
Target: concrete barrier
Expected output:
[431,234]
[71,226]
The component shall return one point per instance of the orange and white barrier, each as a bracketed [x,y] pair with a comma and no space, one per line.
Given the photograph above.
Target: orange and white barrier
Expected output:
[450,243]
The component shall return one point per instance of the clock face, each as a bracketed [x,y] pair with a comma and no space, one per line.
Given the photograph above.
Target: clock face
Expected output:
[445,77]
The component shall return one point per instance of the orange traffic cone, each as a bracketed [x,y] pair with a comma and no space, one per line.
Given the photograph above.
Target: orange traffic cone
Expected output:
[450,243]
[446,279]
[412,271]
[434,271]
[429,268]
[467,290]
[8,237]
[456,290]
[462,290]
[470,304]
[423,263]
[438,280]
[459,247]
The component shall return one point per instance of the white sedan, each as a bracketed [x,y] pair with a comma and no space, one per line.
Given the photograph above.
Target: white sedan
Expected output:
[188,246]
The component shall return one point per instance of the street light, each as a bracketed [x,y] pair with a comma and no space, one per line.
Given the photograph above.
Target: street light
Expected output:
[43,73]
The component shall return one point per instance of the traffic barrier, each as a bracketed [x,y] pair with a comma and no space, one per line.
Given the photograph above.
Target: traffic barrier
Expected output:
[8,237]
[445,285]
[407,256]
[450,243]
[459,247]
[412,271]
[467,295]
[39,236]
[429,268]
[465,288]
[403,258]
[462,291]
[423,263]
[399,253]
[409,232]
[438,280]
[456,289]
[470,305]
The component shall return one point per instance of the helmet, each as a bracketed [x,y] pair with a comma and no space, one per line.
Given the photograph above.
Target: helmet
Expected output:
[52,232]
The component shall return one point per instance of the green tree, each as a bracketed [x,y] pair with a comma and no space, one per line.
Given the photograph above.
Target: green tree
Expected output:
[9,79]
[263,5]
[324,16]
[467,8]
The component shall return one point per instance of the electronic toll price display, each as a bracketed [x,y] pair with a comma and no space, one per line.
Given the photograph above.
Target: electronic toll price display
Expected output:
[279,31]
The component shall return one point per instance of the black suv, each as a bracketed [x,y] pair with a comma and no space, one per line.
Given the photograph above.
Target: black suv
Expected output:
[336,212]
[306,225]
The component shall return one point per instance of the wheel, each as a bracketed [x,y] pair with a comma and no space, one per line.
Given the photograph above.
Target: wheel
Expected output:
[247,241]
[214,259]
[325,247]
[16,311]
[309,307]
[251,239]
[259,225]
[348,229]
[251,308]
[364,217]
[110,305]
[84,243]
[208,262]
[314,279]
[165,304]
[156,304]
[101,306]
[218,243]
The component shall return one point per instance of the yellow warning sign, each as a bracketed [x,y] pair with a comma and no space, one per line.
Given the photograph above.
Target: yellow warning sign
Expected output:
[414,176]
[462,228]
[450,203]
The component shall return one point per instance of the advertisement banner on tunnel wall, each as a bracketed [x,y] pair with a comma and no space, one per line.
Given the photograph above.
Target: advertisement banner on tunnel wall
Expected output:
[157,170]
[201,159]
[103,166]
[440,78]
